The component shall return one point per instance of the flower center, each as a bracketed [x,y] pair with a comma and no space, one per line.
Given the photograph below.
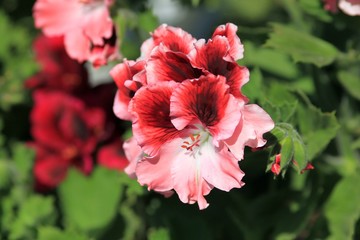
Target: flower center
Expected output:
[194,142]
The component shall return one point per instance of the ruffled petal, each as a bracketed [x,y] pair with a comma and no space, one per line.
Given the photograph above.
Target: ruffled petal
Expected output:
[229,30]
[210,56]
[151,109]
[58,17]
[97,24]
[208,101]
[133,154]
[236,77]
[249,131]
[219,167]
[77,45]
[351,8]
[123,74]
[164,65]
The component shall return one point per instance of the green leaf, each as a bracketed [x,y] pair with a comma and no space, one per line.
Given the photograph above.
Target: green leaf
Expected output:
[148,21]
[195,3]
[315,8]
[287,151]
[269,60]
[342,210]
[52,233]
[159,234]
[90,203]
[301,46]
[299,154]
[350,82]
[35,211]
[253,89]
[23,157]
[317,129]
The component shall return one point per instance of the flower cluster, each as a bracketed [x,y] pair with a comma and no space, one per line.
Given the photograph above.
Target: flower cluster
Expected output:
[68,127]
[86,25]
[190,120]
[349,7]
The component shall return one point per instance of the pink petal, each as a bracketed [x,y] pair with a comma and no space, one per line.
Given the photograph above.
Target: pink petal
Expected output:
[122,73]
[206,100]
[164,65]
[97,24]
[219,167]
[77,45]
[58,17]
[186,176]
[133,154]
[249,131]
[151,109]
[350,8]
[229,31]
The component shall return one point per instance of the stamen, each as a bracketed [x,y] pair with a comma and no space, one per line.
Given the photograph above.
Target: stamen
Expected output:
[195,142]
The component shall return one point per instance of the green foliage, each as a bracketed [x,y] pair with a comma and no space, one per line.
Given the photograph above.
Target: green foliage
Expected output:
[351,82]
[89,203]
[52,233]
[342,210]
[301,46]
[15,62]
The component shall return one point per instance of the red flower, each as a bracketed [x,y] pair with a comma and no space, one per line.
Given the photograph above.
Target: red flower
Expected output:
[112,156]
[65,132]
[57,70]
[275,167]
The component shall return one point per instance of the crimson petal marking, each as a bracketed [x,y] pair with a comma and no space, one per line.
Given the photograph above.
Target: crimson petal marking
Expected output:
[210,56]
[151,108]
[236,77]
[166,66]
[206,100]
[229,30]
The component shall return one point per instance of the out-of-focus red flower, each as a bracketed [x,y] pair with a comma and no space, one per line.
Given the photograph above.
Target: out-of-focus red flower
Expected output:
[275,167]
[57,70]
[112,156]
[309,166]
[66,133]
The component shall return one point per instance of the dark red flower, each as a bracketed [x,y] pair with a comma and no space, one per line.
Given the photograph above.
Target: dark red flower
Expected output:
[57,70]
[275,167]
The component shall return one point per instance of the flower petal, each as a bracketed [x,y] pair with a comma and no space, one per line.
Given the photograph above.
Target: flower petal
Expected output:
[151,124]
[133,154]
[219,167]
[164,65]
[57,17]
[210,56]
[206,100]
[77,45]
[249,131]
[229,30]
[349,8]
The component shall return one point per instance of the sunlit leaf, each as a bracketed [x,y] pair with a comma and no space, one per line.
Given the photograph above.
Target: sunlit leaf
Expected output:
[301,46]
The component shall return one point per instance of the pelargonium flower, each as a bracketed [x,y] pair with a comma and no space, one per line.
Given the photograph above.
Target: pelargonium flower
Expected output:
[349,7]
[57,70]
[65,133]
[190,120]
[85,24]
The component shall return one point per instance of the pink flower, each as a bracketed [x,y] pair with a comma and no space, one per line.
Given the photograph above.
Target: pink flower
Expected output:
[349,7]
[190,139]
[190,120]
[85,24]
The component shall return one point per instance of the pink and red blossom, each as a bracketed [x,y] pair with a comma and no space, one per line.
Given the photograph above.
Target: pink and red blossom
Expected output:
[349,7]
[190,120]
